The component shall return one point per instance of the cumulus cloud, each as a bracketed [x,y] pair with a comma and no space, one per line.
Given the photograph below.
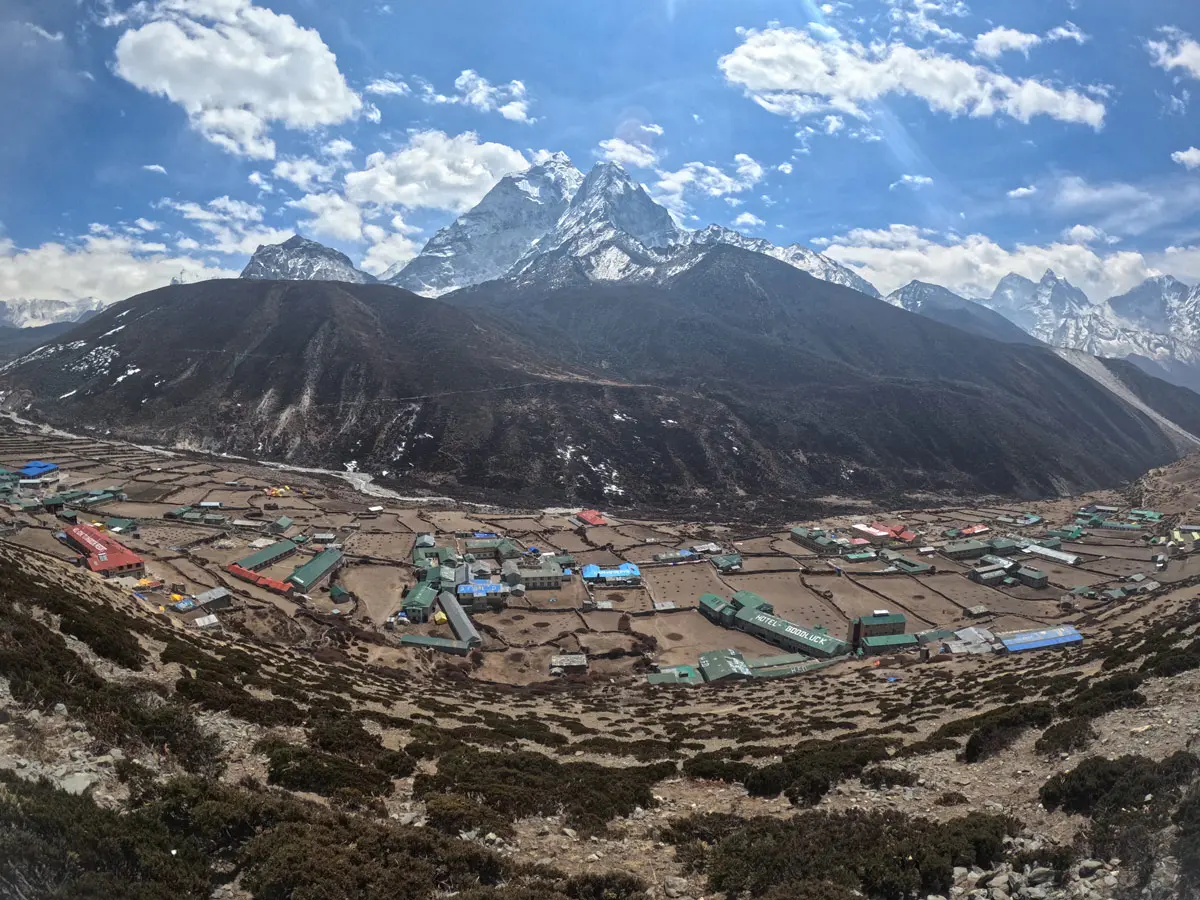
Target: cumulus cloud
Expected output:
[748,220]
[155,168]
[1083,234]
[785,168]
[261,182]
[338,149]
[229,226]
[388,87]
[972,264]
[146,225]
[1189,158]
[789,72]
[388,248]
[697,177]
[304,172]
[1001,40]
[107,268]
[235,68]
[1177,50]
[472,89]
[331,215]
[433,170]
[915,181]
[917,18]
[628,153]
[1026,191]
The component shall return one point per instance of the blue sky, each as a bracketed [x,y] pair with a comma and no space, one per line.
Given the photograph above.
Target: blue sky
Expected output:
[946,140]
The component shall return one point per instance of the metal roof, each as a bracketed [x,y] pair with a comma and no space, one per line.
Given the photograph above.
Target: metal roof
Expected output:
[891,640]
[717,665]
[421,596]
[675,675]
[887,618]
[1046,637]
[460,622]
[267,555]
[435,643]
[817,640]
[315,569]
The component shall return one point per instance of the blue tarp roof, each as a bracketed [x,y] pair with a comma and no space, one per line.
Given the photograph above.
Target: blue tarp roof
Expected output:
[1047,637]
[624,570]
[477,588]
[36,467]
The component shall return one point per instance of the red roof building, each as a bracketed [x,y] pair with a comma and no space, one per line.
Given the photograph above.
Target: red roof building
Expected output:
[104,555]
[591,517]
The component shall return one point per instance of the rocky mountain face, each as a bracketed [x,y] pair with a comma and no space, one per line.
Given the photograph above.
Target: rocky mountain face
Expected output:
[483,243]
[36,313]
[795,255]
[1039,307]
[300,259]
[945,306]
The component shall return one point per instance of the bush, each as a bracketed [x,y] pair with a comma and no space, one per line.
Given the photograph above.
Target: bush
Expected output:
[525,784]
[808,771]
[952,798]
[609,886]
[1097,785]
[454,814]
[1000,729]
[1066,737]
[879,777]
[1187,840]
[302,769]
[882,854]
[232,698]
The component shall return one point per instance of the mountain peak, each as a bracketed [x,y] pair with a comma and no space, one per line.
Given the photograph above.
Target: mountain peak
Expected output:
[301,259]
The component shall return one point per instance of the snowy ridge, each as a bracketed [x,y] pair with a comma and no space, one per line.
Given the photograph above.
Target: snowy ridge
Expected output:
[483,244]
[1100,373]
[36,313]
[299,259]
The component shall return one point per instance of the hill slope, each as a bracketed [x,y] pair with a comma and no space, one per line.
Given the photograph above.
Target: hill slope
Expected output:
[641,394]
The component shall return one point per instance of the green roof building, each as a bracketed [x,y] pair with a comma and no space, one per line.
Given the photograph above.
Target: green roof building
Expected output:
[878,623]
[418,603]
[428,642]
[1003,546]
[728,562]
[1066,533]
[445,556]
[888,643]
[711,607]
[750,601]
[789,635]
[965,550]
[688,675]
[724,665]
[316,570]
[267,555]
[911,566]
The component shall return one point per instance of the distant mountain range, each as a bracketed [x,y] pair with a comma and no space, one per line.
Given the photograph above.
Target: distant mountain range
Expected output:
[549,222]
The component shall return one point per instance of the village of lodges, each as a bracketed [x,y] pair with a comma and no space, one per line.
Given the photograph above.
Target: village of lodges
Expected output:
[557,592]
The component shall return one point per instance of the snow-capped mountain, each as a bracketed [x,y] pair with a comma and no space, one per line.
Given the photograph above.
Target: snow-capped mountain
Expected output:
[1039,307]
[36,313]
[611,231]
[943,305]
[1161,304]
[483,244]
[299,259]
[795,255]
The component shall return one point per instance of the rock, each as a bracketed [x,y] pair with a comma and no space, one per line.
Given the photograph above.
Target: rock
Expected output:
[77,783]
[545,861]
[490,837]
[1041,875]
[960,873]
[998,894]
[60,709]
[117,754]
[675,886]
[638,813]
[1090,867]
[1000,882]
[593,857]
[1035,893]
[104,760]
[571,833]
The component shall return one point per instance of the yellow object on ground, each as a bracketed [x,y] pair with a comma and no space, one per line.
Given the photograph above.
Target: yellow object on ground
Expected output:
[439,617]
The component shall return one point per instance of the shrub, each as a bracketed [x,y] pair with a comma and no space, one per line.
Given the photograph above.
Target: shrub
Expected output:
[1000,729]
[232,698]
[454,814]
[608,886]
[879,777]
[1098,785]
[952,798]
[808,771]
[302,769]
[1187,840]
[1066,737]
[524,784]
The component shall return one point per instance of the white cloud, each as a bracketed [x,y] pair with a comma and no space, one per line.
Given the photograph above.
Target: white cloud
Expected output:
[372,113]
[833,124]
[332,216]
[972,264]
[53,37]
[748,220]
[628,153]
[472,89]
[788,72]
[701,178]
[1000,40]
[916,18]
[915,181]
[1177,51]
[734,202]
[230,226]
[155,168]
[338,148]
[146,224]
[1189,158]
[785,168]
[656,130]
[388,247]
[388,87]
[303,171]
[1068,31]
[1129,209]
[261,182]
[107,268]
[1026,191]
[1083,234]
[236,68]
[435,171]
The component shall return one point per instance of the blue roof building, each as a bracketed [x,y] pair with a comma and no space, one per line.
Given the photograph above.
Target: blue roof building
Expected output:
[1036,640]
[35,468]
[624,572]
